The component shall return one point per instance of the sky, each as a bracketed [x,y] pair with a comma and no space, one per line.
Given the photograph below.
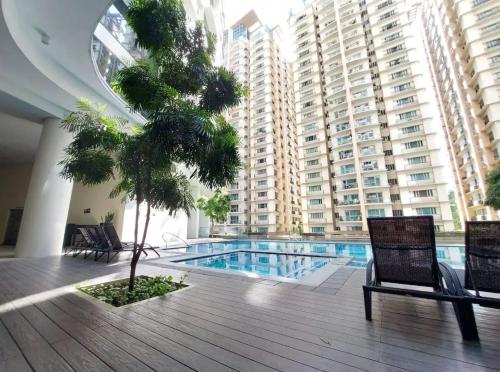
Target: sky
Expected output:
[270,12]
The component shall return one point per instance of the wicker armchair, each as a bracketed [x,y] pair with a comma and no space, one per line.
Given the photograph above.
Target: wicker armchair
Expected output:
[404,252]
[482,261]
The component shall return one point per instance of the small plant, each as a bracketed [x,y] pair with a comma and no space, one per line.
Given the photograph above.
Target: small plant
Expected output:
[108,218]
[118,294]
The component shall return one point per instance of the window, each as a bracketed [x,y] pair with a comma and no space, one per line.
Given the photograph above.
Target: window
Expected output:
[312,162]
[376,213]
[402,87]
[307,104]
[347,169]
[234,220]
[262,183]
[487,13]
[389,26]
[490,28]
[309,127]
[392,37]
[372,181]
[310,138]
[405,101]
[260,172]
[313,175]
[315,201]
[493,43]
[420,176]
[414,144]
[399,74]
[307,93]
[306,83]
[234,196]
[316,215]
[304,53]
[261,150]
[479,2]
[314,188]
[262,217]
[346,154]
[261,161]
[397,61]
[426,211]
[423,193]
[394,49]
[386,15]
[262,205]
[311,150]
[234,208]
[417,160]
[411,129]
[317,229]
[262,194]
[239,31]
[408,115]
[260,140]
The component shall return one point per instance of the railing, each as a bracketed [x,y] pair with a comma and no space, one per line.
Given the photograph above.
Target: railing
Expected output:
[175,236]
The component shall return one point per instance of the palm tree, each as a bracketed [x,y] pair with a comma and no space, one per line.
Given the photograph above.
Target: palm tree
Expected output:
[182,96]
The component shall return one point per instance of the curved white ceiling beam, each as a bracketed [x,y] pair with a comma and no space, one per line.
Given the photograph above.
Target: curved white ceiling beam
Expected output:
[52,76]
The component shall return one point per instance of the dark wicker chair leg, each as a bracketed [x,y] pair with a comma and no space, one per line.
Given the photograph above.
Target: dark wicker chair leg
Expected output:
[367,294]
[467,321]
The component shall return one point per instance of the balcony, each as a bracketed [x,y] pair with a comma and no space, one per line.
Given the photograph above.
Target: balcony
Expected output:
[423,199]
[316,206]
[348,202]
[356,218]
[374,200]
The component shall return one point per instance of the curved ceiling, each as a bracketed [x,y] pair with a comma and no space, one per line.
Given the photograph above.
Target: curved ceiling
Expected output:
[45,56]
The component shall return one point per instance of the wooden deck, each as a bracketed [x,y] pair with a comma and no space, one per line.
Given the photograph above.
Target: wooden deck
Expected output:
[222,323]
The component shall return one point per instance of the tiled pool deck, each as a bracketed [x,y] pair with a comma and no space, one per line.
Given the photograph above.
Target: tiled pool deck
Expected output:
[226,322]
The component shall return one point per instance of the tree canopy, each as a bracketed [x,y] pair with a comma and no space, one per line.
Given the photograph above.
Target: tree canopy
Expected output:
[493,194]
[182,96]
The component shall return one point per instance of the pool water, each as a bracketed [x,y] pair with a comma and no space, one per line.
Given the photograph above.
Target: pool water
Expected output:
[262,264]
[360,252]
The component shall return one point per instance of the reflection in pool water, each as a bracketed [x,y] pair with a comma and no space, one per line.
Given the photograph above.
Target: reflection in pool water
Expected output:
[361,252]
[263,264]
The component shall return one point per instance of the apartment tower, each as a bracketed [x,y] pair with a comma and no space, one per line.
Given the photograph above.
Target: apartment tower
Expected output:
[368,126]
[463,44]
[265,197]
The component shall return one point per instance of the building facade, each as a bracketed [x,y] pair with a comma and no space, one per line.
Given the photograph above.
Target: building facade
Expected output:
[265,197]
[368,125]
[463,47]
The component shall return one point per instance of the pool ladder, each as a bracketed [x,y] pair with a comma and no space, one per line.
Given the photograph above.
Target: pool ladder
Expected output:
[166,233]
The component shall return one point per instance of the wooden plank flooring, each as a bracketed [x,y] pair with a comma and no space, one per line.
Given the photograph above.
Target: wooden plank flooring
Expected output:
[224,322]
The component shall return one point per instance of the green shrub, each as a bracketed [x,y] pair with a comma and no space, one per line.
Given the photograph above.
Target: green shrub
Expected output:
[118,294]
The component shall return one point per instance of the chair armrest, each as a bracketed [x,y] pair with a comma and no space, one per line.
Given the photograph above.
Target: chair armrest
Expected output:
[369,268]
[453,284]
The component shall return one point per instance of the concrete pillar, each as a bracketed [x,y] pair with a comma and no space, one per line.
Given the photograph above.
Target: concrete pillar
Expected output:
[48,198]
[193,226]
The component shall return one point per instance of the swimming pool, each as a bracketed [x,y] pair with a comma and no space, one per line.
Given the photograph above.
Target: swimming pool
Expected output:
[262,264]
[360,252]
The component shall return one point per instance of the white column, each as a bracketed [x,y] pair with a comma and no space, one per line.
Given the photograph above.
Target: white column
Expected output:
[193,225]
[48,199]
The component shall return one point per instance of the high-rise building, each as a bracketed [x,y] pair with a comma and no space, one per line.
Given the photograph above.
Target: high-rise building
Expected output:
[265,197]
[463,45]
[368,124]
